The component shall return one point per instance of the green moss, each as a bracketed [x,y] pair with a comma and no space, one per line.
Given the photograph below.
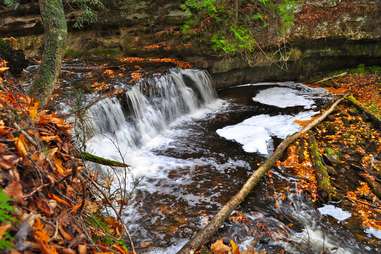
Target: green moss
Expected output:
[324,181]
[71,53]
[104,52]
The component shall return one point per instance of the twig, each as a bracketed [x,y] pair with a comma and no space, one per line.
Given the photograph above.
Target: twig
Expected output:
[331,77]
[113,208]
[28,137]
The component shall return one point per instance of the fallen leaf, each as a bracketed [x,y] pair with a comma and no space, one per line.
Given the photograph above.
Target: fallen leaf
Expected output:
[120,249]
[58,199]
[219,247]
[65,234]
[82,249]
[235,248]
[42,238]
[14,190]
[4,229]
[58,164]
[21,145]
[33,110]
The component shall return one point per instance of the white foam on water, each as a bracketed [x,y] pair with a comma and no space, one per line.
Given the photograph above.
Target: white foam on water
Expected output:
[374,232]
[336,212]
[284,97]
[319,242]
[169,250]
[255,133]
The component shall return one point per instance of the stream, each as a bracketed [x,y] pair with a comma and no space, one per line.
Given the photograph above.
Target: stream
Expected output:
[191,149]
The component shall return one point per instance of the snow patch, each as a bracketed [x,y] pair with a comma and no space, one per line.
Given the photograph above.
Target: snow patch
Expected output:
[284,97]
[374,232]
[255,133]
[336,212]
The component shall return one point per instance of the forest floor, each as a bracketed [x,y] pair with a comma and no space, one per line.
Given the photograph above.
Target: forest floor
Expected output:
[50,202]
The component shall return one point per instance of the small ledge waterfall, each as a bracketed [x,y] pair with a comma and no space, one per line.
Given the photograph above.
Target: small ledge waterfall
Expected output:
[147,109]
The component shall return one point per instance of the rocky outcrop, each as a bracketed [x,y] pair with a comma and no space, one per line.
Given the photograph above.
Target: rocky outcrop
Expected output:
[327,34]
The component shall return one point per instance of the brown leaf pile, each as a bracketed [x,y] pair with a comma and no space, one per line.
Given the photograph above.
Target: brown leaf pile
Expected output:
[40,171]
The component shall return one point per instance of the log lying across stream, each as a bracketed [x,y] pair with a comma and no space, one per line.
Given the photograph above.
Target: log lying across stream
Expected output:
[206,233]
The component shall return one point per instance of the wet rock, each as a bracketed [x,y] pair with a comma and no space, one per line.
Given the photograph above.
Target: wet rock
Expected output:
[15,58]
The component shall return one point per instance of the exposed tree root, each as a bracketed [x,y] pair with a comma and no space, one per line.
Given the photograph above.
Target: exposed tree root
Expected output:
[204,235]
[327,191]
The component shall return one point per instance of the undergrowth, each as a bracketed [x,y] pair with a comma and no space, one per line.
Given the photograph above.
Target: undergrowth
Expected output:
[231,26]
[6,219]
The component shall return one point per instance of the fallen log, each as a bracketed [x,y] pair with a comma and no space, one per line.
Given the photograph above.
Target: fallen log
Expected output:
[326,190]
[331,77]
[100,160]
[206,233]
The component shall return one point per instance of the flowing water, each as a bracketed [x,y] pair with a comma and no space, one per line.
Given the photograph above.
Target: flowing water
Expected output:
[191,151]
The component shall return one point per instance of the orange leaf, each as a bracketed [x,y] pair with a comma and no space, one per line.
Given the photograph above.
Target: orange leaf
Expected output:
[58,199]
[3,69]
[120,249]
[21,145]
[65,234]
[4,229]
[82,249]
[75,208]
[219,247]
[33,110]
[42,238]
[235,248]
[59,167]
[51,138]
[14,190]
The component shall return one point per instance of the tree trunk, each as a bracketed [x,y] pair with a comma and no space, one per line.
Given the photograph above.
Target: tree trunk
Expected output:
[55,28]
[203,235]
[236,11]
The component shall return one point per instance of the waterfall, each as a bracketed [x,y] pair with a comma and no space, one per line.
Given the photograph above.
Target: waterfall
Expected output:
[147,109]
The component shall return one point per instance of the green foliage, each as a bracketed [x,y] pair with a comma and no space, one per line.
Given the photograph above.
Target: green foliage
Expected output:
[88,11]
[88,8]
[211,16]
[201,5]
[6,210]
[9,3]
[97,221]
[363,69]
[286,11]
[231,30]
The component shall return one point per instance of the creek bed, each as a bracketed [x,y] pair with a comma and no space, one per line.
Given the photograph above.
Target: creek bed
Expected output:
[192,153]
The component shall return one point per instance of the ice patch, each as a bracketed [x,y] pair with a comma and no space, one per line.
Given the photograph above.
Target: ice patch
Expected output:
[255,133]
[336,212]
[374,232]
[283,97]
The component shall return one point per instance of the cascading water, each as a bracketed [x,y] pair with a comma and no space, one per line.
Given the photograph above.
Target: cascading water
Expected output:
[147,109]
